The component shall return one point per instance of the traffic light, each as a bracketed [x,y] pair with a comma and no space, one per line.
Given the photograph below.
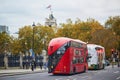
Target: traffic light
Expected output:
[112,51]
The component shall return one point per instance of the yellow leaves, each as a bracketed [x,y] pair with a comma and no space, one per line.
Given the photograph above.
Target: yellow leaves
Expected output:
[42,36]
[15,46]
[4,42]
[79,30]
[25,31]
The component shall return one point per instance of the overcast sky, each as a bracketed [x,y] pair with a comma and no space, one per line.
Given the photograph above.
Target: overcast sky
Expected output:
[18,13]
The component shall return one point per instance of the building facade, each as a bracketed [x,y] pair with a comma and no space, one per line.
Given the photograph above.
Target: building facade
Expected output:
[51,21]
[4,28]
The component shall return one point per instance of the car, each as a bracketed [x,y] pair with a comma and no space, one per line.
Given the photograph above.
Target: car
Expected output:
[107,63]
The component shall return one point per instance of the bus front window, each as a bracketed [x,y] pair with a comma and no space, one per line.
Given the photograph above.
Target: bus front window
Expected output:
[61,50]
[56,56]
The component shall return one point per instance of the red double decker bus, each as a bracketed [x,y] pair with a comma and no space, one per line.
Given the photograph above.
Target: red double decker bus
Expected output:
[67,56]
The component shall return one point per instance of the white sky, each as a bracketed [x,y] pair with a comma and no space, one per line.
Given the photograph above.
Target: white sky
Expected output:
[18,13]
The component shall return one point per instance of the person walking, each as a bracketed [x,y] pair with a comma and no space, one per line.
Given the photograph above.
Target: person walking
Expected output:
[41,65]
[35,64]
[32,65]
[45,65]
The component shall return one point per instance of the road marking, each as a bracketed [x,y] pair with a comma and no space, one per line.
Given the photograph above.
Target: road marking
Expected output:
[118,78]
[23,78]
[85,77]
[116,72]
[69,76]
[75,79]
[58,78]
[72,79]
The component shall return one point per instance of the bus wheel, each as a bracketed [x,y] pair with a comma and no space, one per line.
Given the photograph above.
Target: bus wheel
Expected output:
[74,70]
[84,69]
[103,67]
[98,67]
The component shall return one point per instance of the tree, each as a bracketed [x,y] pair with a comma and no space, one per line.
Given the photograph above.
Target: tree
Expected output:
[42,36]
[4,46]
[80,29]
[5,40]
[66,31]
[105,38]
[113,23]
[25,38]
[15,46]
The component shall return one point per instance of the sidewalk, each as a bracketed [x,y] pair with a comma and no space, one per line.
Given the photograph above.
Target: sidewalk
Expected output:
[12,72]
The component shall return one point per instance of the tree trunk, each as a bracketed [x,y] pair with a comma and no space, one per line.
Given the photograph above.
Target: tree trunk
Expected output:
[21,60]
[6,61]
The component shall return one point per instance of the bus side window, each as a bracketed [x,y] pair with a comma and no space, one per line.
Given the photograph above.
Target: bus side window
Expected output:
[76,52]
[67,45]
[74,61]
[81,59]
[80,53]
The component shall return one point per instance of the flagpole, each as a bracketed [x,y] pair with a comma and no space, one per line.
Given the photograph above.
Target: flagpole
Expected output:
[49,7]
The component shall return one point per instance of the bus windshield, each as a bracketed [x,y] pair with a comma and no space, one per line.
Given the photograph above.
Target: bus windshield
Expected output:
[56,56]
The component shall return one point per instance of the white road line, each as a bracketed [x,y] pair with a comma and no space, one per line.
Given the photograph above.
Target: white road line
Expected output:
[118,78]
[116,72]
[85,77]
[23,78]
[72,79]
[58,79]
[75,79]
[69,76]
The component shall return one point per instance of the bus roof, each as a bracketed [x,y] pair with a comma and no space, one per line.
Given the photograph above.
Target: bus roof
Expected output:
[94,45]
[79,41]
[58,42]
[68,39]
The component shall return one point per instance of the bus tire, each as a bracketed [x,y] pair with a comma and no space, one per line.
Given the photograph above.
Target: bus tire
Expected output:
[74,70]
[103,66]
[84,69]
[98,67]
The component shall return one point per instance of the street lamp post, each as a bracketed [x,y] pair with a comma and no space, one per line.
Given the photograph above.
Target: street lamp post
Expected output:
[33,36]
[32,63]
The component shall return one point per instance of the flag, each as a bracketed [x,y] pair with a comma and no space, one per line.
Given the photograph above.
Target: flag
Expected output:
[48,6]
[32,53]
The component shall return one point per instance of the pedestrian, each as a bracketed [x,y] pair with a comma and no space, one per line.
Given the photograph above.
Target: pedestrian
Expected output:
[35,64]
[32,65]
[45,65]
[23,64]
[118,63]
[27,64]
[113,62]
[41,64]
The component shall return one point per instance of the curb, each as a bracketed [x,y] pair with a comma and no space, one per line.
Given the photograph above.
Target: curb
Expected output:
[20,73]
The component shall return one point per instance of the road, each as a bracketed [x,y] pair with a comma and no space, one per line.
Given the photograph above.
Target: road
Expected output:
[108,73]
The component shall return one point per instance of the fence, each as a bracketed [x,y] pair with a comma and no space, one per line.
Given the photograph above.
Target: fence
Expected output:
[14,60]
[1,60]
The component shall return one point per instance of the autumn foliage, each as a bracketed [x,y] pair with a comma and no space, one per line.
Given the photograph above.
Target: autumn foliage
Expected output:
[90,31]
